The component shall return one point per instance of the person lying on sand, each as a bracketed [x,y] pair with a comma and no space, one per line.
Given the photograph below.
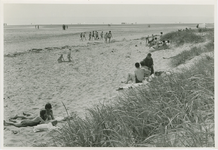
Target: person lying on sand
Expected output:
[29,122]
[139,75]
[49,114]
[49,111]
[61,59]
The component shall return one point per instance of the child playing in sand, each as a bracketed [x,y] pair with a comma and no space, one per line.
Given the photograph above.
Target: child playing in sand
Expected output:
[69,55]
[61,59]
[93,35]
[29,122]
[49,111]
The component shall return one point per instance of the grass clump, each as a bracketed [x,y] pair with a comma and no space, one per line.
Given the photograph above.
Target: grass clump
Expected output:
[172,111]
[187,55]
[181,37]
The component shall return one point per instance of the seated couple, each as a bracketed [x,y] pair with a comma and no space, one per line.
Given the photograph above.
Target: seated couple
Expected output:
[140,74]
[45,116]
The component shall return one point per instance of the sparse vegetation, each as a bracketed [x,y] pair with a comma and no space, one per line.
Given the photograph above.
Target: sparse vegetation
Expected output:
[181,37]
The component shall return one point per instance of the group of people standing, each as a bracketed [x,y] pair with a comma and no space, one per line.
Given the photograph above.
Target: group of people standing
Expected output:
[142,72]
[94,35]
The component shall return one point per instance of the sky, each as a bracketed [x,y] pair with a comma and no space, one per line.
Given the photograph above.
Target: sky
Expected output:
[18,14]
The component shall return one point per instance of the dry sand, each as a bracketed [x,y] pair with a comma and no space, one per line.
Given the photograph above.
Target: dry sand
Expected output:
[33,79]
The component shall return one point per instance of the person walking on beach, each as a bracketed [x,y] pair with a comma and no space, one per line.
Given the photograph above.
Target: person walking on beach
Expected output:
[109,36]
[81,36]
[84,35]
[49,111]
[69,55]
[148,61]
[93,35]
[105,37]
[96,35]
[102,35]
[90,36]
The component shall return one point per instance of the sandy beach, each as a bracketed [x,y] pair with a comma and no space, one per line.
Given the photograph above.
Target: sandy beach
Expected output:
[33,78]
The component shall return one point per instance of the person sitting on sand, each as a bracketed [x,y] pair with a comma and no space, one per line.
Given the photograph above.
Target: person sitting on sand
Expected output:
[151,42]
[168,42]
[109,36]
[29,122]
[148,61]
[139,75]
[69,55]
[105,37]
[49,111]
[147,71]
[61,59]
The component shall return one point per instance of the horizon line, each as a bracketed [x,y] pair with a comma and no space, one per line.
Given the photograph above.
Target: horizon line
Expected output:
[122,23]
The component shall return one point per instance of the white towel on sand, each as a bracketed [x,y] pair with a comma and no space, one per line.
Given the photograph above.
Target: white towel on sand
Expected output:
[44,127]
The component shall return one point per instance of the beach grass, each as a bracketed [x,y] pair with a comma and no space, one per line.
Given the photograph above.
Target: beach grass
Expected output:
[171,111]
[181,37]
[176,110]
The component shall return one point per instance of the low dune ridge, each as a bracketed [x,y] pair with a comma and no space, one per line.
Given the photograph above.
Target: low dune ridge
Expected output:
[96,71]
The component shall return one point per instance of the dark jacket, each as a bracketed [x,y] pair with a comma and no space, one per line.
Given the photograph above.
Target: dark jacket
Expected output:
[148,62]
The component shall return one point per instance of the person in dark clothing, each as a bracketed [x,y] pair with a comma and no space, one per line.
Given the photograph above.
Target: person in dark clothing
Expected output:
[148,61]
